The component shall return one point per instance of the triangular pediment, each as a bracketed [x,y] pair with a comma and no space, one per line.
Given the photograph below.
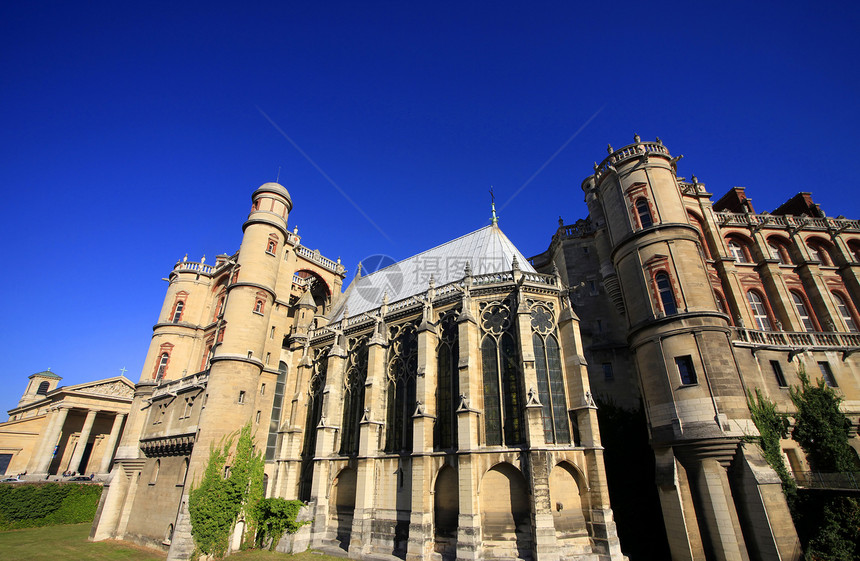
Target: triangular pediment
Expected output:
[120,387]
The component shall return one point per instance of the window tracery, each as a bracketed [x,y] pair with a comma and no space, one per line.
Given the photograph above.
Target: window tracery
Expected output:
[447,381]
[402,369]
[353,394]
[503,423]
[549,374]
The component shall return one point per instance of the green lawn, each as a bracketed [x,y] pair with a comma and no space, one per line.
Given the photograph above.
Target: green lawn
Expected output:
[58,543]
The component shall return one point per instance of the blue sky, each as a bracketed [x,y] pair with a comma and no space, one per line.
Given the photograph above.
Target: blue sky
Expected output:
[135,133]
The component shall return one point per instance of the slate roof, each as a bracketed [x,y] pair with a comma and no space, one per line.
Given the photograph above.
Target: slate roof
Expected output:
[487,250]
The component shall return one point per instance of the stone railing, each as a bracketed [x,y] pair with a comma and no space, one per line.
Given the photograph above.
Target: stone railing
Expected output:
[175,386]
[630,151]
[797,339]
[185,266]
[787,221]
[315,257]
[843,480]
[299,282]
[493,278]
[539,278]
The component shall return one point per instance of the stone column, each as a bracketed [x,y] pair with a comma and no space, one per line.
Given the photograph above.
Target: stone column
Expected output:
[420,543]
[74,465]
[330,423]
[718,511]
[111,443]
[469,535]
[46,451]
[368,449]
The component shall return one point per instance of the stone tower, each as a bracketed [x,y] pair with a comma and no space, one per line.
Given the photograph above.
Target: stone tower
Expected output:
[236,362]
[653,269]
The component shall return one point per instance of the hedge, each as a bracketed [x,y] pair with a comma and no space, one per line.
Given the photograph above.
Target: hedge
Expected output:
[31,505]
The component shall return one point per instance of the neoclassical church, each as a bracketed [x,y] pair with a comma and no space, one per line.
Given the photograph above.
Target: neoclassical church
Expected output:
[443,407]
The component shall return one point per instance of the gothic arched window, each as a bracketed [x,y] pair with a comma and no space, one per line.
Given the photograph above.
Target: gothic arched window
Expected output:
[503,421]
[312,420]
[550,381]
[353,395]
[402,373]
[447,382]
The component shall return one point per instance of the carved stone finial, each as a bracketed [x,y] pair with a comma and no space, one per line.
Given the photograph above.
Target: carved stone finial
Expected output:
[595,166]
[636,138]
[554,269]
[660,142]
[515,264]
[560,222]
[385,298]
[467,270]
[610,149]
[203,259]
[694,179]
[432,282]
[296,229]
[185,259]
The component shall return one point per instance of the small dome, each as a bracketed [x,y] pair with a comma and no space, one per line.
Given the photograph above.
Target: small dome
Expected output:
[276,188]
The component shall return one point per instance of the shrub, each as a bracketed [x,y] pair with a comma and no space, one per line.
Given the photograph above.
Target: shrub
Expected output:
[32,505]
[275,517]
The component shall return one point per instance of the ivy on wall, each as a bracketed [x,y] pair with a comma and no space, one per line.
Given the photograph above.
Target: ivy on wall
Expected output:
[226,492]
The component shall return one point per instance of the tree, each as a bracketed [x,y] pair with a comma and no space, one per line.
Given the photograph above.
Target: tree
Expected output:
[820,427]
[772,427]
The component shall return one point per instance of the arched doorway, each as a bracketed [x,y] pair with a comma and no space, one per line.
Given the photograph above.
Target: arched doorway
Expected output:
[343,505]
[446,509]
[505,512]
[569,507]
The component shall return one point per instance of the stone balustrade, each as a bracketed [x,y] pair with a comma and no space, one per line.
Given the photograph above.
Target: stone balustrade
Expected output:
[797,339]
[315,257]
[175,386]
[628,152]
[193,266]
[785,222]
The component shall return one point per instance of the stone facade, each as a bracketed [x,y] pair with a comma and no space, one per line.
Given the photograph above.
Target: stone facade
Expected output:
[687,305]
[443,407]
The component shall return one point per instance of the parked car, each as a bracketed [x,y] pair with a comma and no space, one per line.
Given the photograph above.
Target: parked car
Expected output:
[80,478]
[10,480]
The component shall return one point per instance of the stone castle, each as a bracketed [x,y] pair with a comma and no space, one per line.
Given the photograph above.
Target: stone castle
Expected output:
[443,406]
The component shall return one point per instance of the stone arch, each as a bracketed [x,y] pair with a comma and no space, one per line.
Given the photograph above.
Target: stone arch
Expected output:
[569,501]
[446,510]
[342,505]
[506,512]
[320,290]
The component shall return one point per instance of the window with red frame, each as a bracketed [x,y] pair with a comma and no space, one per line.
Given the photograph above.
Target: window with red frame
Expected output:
[759,311]
[845,312]
[643,211]
[177,311]
[667,295]
[162,367]
[259,305]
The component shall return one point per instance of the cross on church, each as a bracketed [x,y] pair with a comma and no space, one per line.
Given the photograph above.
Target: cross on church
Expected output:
[122,371]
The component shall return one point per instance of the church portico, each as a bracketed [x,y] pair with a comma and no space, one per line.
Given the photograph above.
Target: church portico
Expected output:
[67,428]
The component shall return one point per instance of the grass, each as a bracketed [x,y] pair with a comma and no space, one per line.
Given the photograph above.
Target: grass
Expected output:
[58,543]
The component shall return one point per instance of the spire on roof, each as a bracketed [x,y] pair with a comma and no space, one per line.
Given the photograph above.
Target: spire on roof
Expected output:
[495,219]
